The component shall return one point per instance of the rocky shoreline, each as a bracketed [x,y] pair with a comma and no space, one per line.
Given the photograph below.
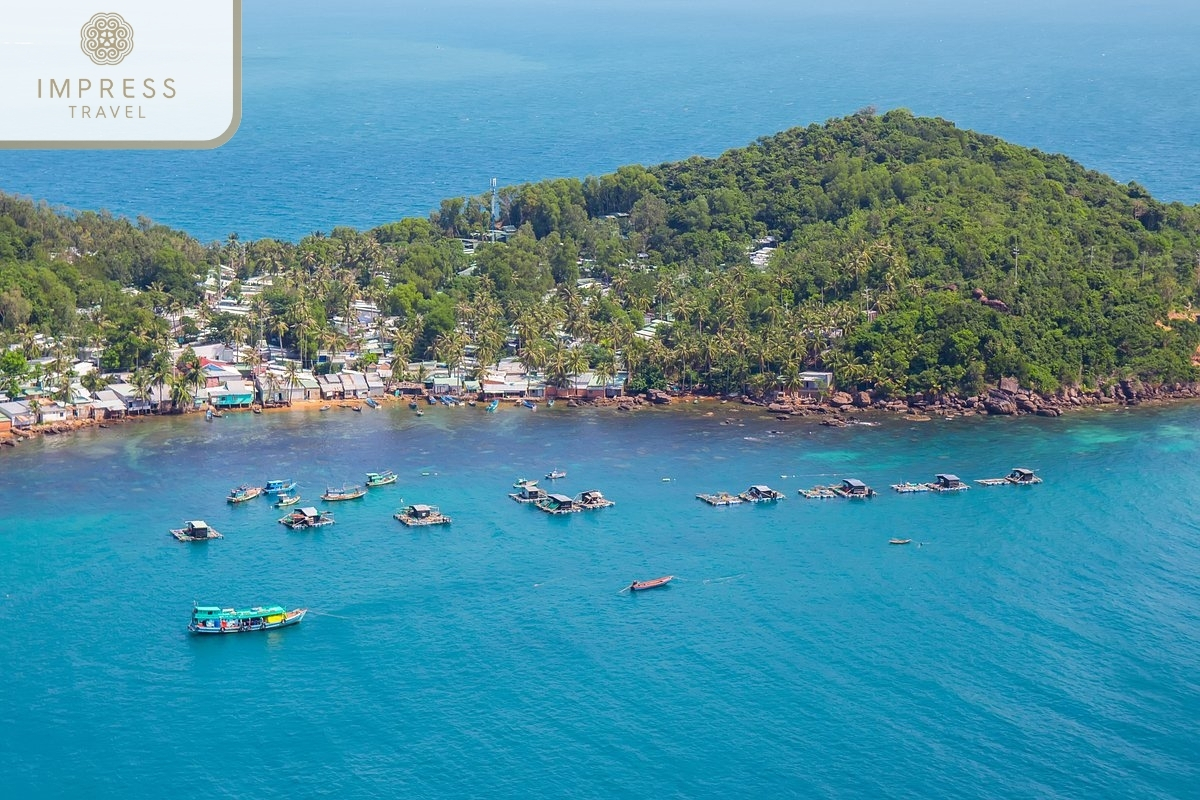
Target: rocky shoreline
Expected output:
[840,408]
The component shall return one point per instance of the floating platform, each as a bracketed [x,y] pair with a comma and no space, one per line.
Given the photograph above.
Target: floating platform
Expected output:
[910,488]
[760,494]
[195,531]
[818,493]
[1018,477]
[720,499]
[592,500]
[420,515]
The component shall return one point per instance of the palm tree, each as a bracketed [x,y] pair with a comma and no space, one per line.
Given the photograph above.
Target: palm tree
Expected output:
[291,374]
[181,394]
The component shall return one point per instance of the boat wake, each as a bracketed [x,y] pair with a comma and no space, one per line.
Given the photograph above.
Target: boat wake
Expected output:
[725,579]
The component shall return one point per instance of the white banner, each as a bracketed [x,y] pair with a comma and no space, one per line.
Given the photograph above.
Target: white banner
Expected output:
[120,73]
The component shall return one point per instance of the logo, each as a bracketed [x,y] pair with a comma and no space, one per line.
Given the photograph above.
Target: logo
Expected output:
[106,39]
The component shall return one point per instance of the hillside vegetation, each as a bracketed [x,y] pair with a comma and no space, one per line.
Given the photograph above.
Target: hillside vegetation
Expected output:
[912,257]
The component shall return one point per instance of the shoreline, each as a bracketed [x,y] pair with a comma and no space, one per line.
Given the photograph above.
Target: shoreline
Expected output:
[838,410]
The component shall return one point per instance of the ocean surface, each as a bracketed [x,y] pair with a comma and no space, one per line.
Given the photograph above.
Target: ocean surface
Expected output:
[1032,642]
[360,112]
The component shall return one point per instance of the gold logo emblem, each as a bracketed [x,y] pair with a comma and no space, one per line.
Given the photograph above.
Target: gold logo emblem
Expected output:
[106,39]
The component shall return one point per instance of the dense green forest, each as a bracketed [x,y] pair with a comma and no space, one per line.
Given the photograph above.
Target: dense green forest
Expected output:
[912,256]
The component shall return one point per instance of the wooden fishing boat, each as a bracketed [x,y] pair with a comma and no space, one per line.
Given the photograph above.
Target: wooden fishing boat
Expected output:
[351,493]
[371,402]
[520,482]
[218,413]
[419,515]
[492,406]
[215,620]
[555,474]
[279,487]
[592,500]
[380,478]
[945,482]
[420,413]
[532,406]
[530,493]
[256,410]
[550,403]
[241,494]
[356,408]
[326,407]
[195,531]
[899,541]
[720,499]
[639,586]
[412,404]
[208,415]
[286,500]
[1019,477]
[760,494]
[910,488]
[307,517]
[558,504]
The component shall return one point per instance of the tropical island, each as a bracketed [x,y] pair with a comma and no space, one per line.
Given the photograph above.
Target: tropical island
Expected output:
[879,259]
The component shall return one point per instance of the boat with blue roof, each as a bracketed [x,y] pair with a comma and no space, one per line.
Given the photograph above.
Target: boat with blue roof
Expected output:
[279,487]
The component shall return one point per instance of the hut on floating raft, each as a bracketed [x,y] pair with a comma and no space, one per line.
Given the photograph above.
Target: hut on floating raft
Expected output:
[948,483]
[558,504]
[418,515]
[1019,476]
[854,489]
[760,494]
[592,499]
[530,493]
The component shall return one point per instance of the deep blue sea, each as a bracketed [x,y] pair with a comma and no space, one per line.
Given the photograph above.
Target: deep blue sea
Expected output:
[1040,642]
[359,112]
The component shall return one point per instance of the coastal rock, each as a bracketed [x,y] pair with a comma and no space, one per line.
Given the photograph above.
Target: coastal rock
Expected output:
[1027,405]
[780,408]
[1009,385]
[1048,411]
[862,399]
[999,405]
[841,399]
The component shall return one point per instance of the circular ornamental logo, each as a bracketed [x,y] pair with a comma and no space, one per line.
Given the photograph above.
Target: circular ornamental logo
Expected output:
[106,39]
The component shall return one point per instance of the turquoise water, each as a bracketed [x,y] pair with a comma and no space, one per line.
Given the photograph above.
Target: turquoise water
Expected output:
[362,111]
[1041,642]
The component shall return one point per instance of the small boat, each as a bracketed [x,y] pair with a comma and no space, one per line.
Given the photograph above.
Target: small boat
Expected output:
[412,404]
[431,400]
[1019,477]
[760,494]
[352,493]
[558,504]
[420,413]
[195,531]
[521,482]
[208,417]
[256,410]
[532,406]
[720,499]
[326,407]
[449,400]
[212,619]
[471,403]
[550,403]
[307,517]
[555,474]
[910,488]
[286,500]
[370,401]
[899,541]
[492,406]
[380,478]
[419,515]
[592,499]
[279,487]
[218,413]
[357,409]
[638,586]
[241,494]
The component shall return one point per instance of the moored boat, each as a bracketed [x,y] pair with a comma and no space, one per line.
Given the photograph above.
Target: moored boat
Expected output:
[279,487]
[380,478]
[638,586]
[899,541]
[286,500]
[241,494]
[555,474]
[760,494]
[307,517]
[326,407]
[214,619]
[532,406]
[492,406]
[195,531]
[412,404]
[343,493]
[371,402]
[519,482]
[418,515]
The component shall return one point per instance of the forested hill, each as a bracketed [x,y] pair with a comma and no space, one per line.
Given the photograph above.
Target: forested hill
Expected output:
[912,256]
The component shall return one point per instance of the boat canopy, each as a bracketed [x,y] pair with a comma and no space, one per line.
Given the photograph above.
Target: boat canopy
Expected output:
[1024,473]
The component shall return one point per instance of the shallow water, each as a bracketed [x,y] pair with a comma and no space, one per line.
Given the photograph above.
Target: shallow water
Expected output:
[1040,642]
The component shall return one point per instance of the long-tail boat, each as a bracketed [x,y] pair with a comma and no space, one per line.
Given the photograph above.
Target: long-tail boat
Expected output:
[352,493]
[241,494]
[639,586]
[213,619]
